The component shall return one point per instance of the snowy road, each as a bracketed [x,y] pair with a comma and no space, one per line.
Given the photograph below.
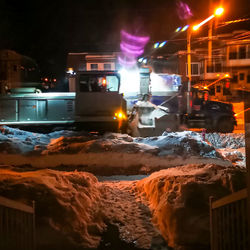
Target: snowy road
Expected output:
[129,211]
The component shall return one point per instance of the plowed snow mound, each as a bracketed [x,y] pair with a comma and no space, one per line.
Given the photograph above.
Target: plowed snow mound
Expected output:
[179,200]
[67,205]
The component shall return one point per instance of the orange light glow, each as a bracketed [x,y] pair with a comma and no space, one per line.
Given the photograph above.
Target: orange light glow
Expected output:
[104,82]
[241,112]
[46,79]
[195,27]
[219,11]
[227,75]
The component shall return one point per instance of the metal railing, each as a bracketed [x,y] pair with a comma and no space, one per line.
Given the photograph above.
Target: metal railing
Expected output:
[228,222]
[17,225]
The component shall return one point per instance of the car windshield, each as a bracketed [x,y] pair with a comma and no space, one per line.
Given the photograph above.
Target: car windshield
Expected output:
[98,83]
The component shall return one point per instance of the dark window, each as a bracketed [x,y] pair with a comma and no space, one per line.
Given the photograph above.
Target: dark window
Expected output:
[242,76]
[210,69]
[235,79]
[242,52]
[248,51]
[248,78]
[14,68]
[218,89]
[212,91]
[194,69]
[226,91]
[218,67]
[94,66]
[232,53]
[107,66]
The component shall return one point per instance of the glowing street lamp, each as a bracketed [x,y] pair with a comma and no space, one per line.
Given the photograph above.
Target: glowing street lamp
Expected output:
[218,12]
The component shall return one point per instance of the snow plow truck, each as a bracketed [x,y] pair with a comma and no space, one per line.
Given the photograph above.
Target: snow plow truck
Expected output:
[95,104]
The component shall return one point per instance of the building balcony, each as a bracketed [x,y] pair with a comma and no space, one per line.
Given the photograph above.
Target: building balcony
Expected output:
[238,62]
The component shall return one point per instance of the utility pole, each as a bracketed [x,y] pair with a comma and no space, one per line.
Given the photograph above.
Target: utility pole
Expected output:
[210,32]
[210,53]
[189,69]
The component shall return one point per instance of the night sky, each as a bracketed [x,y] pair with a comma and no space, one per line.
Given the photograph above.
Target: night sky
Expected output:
[48,30]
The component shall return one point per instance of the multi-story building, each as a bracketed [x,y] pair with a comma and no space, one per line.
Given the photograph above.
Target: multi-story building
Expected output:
[91,61]
[238,62]
[227,73]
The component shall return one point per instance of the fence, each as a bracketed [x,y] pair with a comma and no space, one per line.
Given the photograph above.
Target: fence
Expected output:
[228,222]
[17,225]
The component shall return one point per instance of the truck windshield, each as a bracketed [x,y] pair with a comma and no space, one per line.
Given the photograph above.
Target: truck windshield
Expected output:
[98,83]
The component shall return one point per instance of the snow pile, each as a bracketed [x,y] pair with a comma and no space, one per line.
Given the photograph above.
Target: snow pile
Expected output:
[186,144]
[16,141]
[179,200]
[233,141]
[231,146]
[107,153]
[67,205]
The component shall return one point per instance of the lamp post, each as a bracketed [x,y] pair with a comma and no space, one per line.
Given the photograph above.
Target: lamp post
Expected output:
[218,12]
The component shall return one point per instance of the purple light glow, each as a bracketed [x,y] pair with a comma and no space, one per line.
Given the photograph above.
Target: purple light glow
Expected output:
[131,52]
[131,47]
[183,11]
[136,39]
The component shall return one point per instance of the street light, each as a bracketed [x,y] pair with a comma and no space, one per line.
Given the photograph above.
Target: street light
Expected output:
[219,11]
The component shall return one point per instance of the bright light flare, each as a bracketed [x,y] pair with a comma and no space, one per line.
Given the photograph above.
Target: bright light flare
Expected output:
[185,28]
[130,81]
[203,22]
[120,115]
[219,11]
[178,29]
[162,44]
[243,111]
[156,45]
[195,27]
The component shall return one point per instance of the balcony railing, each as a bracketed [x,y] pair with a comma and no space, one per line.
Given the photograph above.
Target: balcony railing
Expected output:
[17,225]
[228,222]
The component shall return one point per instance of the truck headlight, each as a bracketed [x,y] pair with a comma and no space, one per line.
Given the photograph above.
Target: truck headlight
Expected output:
[120,116]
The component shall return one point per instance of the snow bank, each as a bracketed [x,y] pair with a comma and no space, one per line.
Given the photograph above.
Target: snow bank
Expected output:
[179,200]
[219,140]
[120,154]
[67,205]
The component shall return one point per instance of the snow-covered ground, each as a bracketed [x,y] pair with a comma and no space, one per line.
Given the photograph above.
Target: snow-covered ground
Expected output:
[81,210]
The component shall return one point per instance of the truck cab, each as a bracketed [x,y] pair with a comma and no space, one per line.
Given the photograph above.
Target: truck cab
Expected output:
[98,103]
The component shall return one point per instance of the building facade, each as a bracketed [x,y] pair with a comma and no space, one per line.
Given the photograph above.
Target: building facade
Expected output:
[91,61]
